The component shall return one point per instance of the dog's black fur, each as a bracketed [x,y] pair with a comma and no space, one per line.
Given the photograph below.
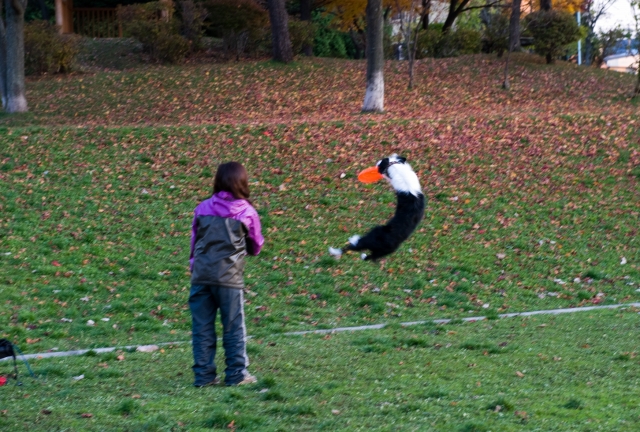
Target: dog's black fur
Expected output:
[383,240]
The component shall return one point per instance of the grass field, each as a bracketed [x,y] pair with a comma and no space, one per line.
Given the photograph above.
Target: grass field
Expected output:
[540,374]
[533,199]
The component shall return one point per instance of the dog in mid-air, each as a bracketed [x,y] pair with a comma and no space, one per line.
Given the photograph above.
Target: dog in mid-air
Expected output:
[385,239]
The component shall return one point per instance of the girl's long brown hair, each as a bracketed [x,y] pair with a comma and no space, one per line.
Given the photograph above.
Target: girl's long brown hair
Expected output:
[232,177]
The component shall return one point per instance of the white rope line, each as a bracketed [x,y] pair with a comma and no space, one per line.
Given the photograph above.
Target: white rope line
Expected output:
[338,329]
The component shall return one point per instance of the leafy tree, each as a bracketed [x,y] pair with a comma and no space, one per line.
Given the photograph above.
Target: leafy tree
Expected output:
[12,86]
[551,31]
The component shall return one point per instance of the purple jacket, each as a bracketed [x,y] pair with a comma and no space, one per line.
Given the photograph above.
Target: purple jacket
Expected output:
[224,205]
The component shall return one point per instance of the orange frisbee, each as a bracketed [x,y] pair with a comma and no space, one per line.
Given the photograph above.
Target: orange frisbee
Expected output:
[370,175]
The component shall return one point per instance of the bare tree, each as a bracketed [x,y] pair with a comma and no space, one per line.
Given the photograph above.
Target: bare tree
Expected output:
[282,51]
[596,9]
[410,29]
[374,96]
[12,85]
[635,6]
[514,39]
[456,7]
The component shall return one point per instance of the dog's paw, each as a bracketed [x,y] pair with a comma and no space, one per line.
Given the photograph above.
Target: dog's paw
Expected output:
[363,256]
[354,239]
[335,252]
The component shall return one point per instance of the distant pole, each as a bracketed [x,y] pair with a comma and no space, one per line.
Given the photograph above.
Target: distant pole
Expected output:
[579,43]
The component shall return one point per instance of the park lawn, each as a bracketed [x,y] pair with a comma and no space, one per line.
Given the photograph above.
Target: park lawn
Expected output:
[313,90]
[567,372]
[523,213]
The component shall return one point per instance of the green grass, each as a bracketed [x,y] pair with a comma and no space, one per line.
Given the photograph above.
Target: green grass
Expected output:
[96,225]
[532,204]
[570,379]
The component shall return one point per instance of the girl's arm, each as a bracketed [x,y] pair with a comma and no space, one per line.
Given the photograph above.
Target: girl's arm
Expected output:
[193,240]
[254,238]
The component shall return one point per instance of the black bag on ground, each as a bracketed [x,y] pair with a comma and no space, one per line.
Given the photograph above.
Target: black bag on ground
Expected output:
[6,350]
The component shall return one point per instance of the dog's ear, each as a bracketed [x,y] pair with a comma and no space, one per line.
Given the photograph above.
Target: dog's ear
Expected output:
[383,165]
[402,159]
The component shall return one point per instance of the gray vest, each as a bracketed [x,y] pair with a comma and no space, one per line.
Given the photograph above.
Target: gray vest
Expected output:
[218,255]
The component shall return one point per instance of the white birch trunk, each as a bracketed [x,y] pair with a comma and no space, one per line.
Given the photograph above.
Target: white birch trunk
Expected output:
[374,96]
[12,33]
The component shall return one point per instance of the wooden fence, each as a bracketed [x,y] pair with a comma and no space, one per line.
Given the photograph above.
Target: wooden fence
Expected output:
[97,22]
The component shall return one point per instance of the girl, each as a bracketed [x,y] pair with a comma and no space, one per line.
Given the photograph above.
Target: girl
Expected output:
[225,228]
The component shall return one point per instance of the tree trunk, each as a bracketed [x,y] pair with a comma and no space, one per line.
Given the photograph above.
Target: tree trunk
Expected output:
[12,56]
[44,10]
[280,31]
[3,59]
[636,91]
[545,5]
[514,26]
[505,83]
[455,10]
[426,9]
[356,44]
[374,96]
[305,15]
[588,47]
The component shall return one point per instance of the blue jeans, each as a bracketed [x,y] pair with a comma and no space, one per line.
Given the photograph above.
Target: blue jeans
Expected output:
[204,302]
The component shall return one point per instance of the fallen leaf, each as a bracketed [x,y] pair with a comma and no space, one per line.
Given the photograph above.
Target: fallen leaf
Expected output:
[519,374]
[86,415]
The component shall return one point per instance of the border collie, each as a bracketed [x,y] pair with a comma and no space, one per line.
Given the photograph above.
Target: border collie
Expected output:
[385,239]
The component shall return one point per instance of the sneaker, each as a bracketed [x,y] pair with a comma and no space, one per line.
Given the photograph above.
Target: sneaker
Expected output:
[215,382]
[249,379]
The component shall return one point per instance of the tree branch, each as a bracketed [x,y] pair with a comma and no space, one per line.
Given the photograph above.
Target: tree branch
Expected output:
[19,6]
[483,6]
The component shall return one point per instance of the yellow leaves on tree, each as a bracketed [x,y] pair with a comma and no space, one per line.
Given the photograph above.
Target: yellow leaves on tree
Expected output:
[568,5]
[351,13]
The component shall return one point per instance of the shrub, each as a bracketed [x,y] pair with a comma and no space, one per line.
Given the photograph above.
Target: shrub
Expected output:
[243,25]
[434,43]
[47,51]
[496,33]
[551,31]
[154,26]
[328,41]
[429,41]
[192,18]
[466,41]
[301,33]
